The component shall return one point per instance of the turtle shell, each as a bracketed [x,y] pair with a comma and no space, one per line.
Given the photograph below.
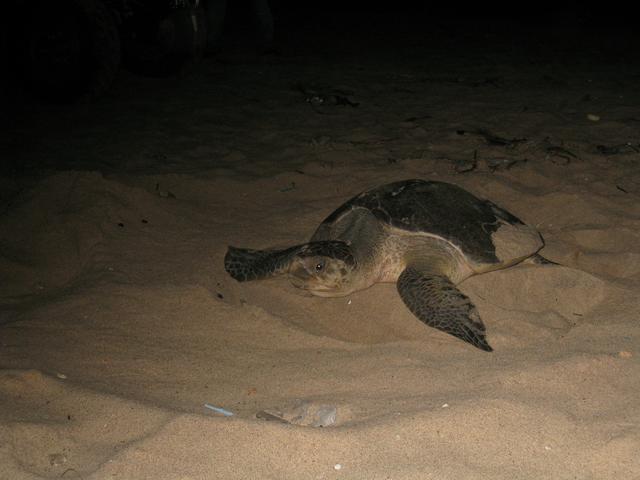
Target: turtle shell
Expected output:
[484,232]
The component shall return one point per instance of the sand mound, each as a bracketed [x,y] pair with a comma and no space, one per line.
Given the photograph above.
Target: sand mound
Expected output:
[55,234]
[57,428]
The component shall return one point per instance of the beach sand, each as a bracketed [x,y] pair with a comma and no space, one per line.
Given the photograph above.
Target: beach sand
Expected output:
[118,322]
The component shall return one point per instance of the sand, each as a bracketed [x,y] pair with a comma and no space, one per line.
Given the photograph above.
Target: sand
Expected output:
[118,322]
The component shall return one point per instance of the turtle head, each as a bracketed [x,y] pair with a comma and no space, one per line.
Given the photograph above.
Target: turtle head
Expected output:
[325,269]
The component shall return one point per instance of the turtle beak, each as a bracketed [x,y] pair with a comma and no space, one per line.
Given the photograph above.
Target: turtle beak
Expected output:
[299,274]
[302,277]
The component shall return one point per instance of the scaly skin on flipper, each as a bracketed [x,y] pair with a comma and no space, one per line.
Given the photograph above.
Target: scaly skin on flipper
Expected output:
[244,264]
[436,301]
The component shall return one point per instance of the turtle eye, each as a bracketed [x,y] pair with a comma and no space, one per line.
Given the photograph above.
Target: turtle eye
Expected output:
[319,266]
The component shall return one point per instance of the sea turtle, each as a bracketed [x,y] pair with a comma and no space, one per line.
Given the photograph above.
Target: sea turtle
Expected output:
[426,236]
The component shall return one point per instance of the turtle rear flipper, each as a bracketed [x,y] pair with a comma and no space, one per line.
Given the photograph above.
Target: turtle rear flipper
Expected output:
[244,264]
[436,301]
[538,259]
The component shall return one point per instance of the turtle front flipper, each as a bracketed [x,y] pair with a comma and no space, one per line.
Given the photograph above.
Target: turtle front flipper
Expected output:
[245,264]
[436,301]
